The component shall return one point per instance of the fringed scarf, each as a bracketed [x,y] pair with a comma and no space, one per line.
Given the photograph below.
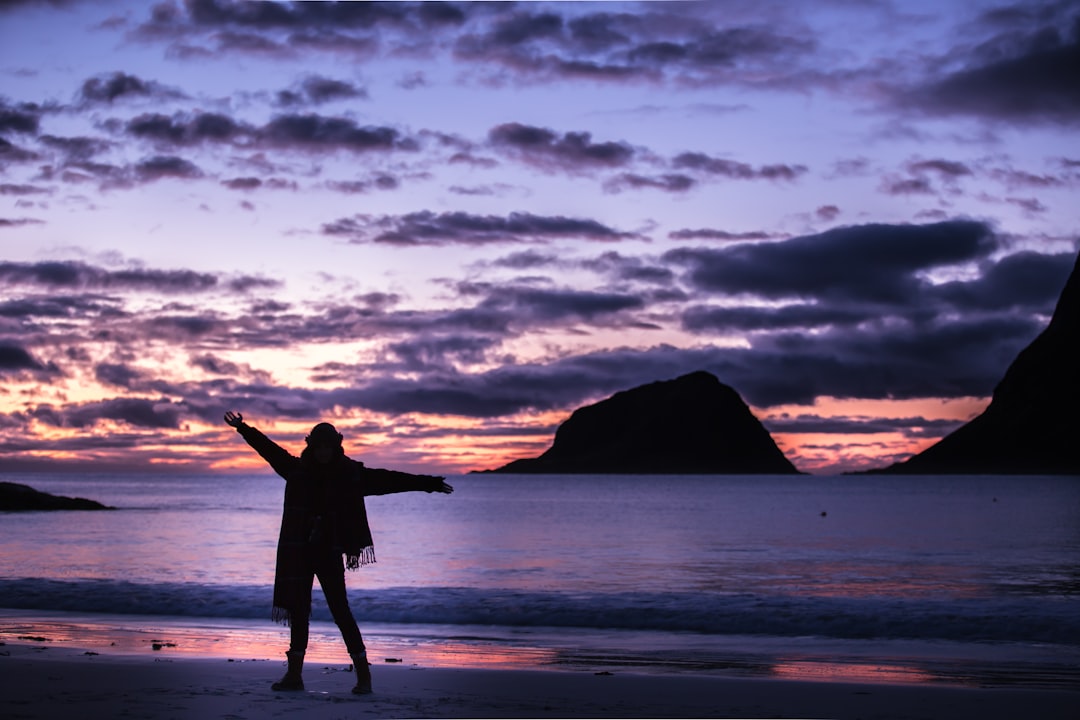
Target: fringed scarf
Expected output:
[324,513]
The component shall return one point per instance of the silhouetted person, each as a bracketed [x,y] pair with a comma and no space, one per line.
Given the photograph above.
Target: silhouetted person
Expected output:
[324,518]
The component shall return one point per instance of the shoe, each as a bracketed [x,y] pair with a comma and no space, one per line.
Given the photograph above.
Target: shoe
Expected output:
[293,678]
[363,674]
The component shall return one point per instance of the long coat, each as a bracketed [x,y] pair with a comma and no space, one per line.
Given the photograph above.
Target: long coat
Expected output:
[323,512]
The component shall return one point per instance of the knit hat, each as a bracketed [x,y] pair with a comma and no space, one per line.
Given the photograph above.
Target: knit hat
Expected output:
[324,434]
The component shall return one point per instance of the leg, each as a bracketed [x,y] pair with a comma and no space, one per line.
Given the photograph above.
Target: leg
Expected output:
[331,574]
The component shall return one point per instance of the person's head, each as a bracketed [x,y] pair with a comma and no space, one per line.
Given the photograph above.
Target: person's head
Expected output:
[324,443]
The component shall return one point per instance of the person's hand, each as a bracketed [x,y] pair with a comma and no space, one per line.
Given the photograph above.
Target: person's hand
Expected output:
[234,419]
[444,487]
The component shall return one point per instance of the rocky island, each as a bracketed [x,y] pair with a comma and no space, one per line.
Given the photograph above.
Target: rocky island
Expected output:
[1031,425]
[14,496]
[693,424]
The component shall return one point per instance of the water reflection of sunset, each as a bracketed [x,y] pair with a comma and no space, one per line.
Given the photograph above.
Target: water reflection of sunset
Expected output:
[819,671]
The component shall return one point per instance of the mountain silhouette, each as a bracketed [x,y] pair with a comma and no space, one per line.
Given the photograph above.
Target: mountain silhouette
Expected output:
[16,497]
[693,424]
[1031,425]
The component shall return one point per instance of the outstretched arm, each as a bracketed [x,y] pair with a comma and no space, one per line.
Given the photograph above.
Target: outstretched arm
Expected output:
[280,459]
[384,482]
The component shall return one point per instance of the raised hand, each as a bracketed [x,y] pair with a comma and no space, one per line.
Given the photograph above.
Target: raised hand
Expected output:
[444,487]
[234,419]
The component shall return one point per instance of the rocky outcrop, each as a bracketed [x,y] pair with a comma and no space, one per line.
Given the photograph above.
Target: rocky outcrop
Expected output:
[1031,425]
[14,496]
[693,424]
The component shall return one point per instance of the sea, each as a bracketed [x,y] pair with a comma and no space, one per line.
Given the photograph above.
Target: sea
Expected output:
[969,580]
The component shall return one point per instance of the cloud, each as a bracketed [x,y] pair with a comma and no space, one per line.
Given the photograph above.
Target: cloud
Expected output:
[547,149]
[14,358]
[291,131]
[428,228]
[725,235]
[19,222]
[316,90]
[137,412]
[167,166]
[670,182]
[74,274]
[185,129]
[674,43]
[22,118]
[735,170]
[868,263]
[109,87]
[1025,73]
[310,131]
[911,427]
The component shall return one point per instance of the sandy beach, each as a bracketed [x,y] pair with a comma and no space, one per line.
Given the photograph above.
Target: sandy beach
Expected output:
[43,682]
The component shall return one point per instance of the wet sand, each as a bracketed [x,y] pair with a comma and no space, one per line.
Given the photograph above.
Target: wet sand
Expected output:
[59,682]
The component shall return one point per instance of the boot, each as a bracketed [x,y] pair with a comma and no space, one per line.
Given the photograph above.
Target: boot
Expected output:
[292,679]
[363,673]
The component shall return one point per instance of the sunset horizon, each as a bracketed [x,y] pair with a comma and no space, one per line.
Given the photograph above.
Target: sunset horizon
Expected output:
[443,227]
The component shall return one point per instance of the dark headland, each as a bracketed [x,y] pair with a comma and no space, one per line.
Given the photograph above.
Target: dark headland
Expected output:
[1032,425]
[14,496]
[693,424]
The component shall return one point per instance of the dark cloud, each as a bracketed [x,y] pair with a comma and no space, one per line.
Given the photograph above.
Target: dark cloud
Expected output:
[316,90]
[526,260]
[18,190]
[76,148]
[73,274]
[671,43]
[828,213]
[944,168]
[720,320]
[15,358]
[725,235]
[735,170]
[1023,280]
[548,149]
[360,187]
[307,132]
[112,86]
[167,166]
[907,186]
[911,427]
[184,129]
[22,118]
[11,153]
[542,306]
[623,267]
[242,183]
[117,375]
[19,222]
[138,412]
[1024,73]
[316,131]
[670,182]
[428,228]
[868,263]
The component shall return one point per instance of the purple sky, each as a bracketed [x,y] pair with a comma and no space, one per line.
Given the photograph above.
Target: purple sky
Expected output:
[443,226]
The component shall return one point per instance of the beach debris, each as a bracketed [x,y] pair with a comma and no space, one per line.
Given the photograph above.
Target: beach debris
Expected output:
[158,644]
[91,652]
[604,672]
[34,638]
[393,660]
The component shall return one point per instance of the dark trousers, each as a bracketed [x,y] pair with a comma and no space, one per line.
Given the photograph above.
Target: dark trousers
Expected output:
[330,569]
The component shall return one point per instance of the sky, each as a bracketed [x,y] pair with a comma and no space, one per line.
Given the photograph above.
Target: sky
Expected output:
[445,226]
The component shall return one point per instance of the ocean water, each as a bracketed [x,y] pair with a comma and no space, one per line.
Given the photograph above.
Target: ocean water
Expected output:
[964,579]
